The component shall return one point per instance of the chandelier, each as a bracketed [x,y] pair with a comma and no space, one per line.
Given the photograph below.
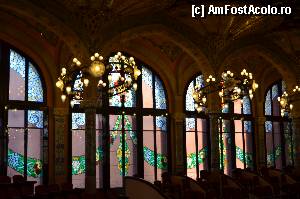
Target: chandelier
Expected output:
[230,88]
[119,75]
[286,100]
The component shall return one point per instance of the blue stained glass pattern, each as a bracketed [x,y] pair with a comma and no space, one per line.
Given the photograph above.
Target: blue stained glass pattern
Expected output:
[35,88]
[35,118]
[268,109]
[225,108]
[268,126]
[247,126]
[78,120]
[283,86]
[161,122]
[78,84]
[147,76]
[130,98]
[17,63]
[189,124]
[189,101]
[246,105]
[160,96]
[275,93]
[199,80]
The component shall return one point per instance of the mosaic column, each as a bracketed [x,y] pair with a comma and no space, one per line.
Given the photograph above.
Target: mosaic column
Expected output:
[214,139]
[90,144]
[296,131]
[60,123]
[178,124]
[260,141]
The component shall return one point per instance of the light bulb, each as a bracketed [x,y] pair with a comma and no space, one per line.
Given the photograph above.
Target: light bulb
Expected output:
[100,81]
[72,103]
[278,99]
[104,84]
[78,63]
[63,71]
[204,100]
[92,58]
[96,54]
[251,96]
[213,79]
[68,89]
[291,106]
[101,58]
[199,109]
[131,59]
[119,54]
[109,77]
[59,84]
[134,86]
[75,60]
[129,80]
[63,98]
[86,82]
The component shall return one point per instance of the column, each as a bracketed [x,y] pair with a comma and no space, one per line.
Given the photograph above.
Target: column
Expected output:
[214,142]
[296,130]
[61,126]
[178,142]
[260,141]
[90,107]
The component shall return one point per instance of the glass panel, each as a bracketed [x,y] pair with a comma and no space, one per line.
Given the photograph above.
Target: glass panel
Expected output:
[130,98]
[248,136]
[148,142]
[237,106]
[239,148]
[116,99]
[148,122]
[227,145]
[78,150]
[161,123]
[15,152]
[268,105]
[16,77]
[78,158]
[246,105]
[191,154]
[190,124]
[78,120]
[147,88]
[116,160]
[16,118]
[275,103]
[277,145]
[35,88]
[160,96]
[35,119]
[34,155]
[202,151]
[162,153]
[189,101]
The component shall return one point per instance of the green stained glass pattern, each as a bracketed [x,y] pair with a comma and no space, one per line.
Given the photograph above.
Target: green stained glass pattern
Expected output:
[161,159]
[248,156]
[271,157]
[16,162]
[126,158]
[191,158]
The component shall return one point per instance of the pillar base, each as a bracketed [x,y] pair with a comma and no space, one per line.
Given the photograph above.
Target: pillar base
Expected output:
[90,185]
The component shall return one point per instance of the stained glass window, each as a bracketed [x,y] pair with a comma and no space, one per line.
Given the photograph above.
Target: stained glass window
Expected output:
[27,131]
[277,128]
[123,133]
[189,101]
[196,134]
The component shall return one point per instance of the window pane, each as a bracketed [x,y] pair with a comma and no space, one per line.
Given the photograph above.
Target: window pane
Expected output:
[148,142]
[78,150]
[191,154]
[16,118]
[148,122]
[35,88]
[147,89]
[160,96]
[162,153]
[202,150]
[34,155]
[239,148]
[116,160]
[16,77]
[15,152]
[268,105]
[277,145]
[248,136]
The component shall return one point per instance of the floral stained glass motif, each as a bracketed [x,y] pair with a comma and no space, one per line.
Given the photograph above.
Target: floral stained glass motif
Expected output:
[161,122]
[189,124]
[189,101]
[160,97]
[78,84]
[17,63]
[147,76]
[268,105]
[78,120]
[35,118]
[268,126]
[35,88]
[275,92]
[246,105]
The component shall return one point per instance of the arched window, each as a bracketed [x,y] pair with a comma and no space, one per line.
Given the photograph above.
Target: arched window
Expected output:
[278,131]
[138,140]
[25,115]
[197,136]
[236,136]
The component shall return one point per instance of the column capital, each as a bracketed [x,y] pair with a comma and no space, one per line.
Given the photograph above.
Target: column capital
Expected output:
[59,111]
[178,116]
[90,104]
